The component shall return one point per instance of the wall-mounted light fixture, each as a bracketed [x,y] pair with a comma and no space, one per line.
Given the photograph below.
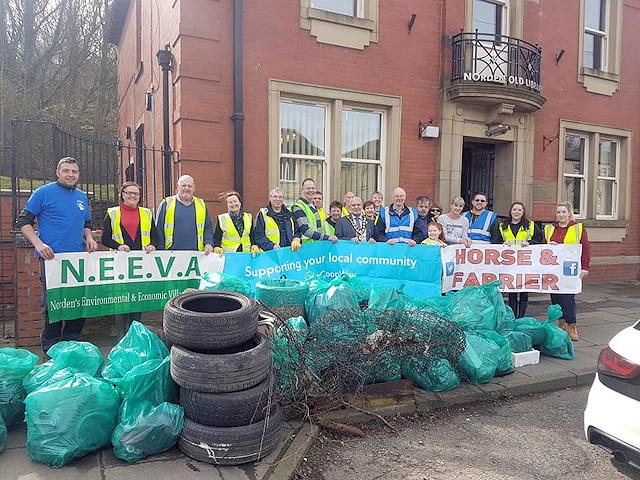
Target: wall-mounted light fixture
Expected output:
[427,130]
[127,132]
[148,101]
[559,56]
[496,130]
[410,23]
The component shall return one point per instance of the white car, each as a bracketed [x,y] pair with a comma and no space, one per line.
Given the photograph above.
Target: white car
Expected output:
[612,416]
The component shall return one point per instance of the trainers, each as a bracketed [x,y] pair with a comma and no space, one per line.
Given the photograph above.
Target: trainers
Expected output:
[572,331]
[562,323]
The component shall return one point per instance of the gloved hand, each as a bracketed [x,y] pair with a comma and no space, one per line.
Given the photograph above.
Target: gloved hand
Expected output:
[218,250]
[295,244]
[254,249]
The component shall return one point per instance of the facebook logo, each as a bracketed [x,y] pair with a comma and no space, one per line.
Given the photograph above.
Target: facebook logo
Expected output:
[570,269]
[450,266]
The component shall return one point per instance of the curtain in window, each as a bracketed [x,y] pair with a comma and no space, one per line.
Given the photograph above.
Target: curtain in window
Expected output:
[360,168]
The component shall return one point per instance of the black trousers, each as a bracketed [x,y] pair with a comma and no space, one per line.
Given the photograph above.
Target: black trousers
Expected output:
[568,303]
[53,333]
[519,305]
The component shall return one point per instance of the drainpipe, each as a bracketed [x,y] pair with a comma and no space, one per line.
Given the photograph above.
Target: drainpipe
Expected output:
[164,59]
[238,115]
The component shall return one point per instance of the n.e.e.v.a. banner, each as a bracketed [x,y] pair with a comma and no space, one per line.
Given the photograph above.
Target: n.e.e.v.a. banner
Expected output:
[104,283]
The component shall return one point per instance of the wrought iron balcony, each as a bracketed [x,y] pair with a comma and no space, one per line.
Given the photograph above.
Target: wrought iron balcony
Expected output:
[504,68]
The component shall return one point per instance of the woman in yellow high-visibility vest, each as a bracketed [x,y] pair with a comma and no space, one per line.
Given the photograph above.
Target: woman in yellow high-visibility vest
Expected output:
[514,230]
[129,227]
[566,230]
[233,231]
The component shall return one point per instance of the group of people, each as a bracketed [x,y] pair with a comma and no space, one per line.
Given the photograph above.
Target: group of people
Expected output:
[182,222]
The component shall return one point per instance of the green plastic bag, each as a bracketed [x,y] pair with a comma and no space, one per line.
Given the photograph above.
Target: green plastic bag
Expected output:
[383,297]
[439,377]
[3,434]
[519,341]
[15,364]
[84,357]
[533,328]
[70,418]
[504,357]
[144,429]
[150,381]
[339,294]
[136,347]
[558,343]
[480,358]
[281,292]
[224,281]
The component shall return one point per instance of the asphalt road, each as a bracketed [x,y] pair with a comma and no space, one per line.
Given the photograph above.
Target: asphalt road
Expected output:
[535,437]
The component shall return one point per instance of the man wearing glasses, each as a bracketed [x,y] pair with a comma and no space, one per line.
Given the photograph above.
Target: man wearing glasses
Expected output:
[480,219]
[62,212]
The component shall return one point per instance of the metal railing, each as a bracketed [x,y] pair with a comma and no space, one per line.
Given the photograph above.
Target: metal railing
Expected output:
[486,57]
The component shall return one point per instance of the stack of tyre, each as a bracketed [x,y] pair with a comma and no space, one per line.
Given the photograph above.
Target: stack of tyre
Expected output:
[223,367]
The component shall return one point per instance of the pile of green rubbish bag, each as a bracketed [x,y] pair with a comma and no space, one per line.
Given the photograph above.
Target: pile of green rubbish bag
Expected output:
[74,404]
[490,333]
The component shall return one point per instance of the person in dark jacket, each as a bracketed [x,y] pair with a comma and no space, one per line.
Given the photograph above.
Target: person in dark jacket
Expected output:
[517,229]
[355,226]
[274,227]
[129,227]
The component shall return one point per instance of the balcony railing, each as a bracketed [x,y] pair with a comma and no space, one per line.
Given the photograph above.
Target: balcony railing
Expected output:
[485,57]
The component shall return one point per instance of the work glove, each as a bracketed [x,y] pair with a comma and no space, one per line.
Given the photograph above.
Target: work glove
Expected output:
[295,244]
[218,250]
[254,250]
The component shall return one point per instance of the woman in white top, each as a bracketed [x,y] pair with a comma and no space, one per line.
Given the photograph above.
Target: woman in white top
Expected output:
[455,226]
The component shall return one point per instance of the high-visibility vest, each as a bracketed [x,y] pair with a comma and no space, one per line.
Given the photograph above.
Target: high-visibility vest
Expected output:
[146,217]
[169,219]
[316,224]
[480,230]
[523,234]
[573,235]
[271,229]
[428,241]
[231,238]
[330,229]
[400,229]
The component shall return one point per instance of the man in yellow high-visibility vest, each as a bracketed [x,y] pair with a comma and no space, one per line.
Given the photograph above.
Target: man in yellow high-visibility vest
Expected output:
[306,216]
[183,220]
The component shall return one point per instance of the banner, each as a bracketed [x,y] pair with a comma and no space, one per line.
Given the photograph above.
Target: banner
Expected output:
[83,285]
[418,268]
[536,268]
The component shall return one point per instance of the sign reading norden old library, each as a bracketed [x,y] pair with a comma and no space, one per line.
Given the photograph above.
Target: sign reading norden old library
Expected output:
[83,285]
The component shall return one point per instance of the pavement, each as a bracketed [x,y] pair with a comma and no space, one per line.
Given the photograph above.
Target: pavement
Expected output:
[603,310]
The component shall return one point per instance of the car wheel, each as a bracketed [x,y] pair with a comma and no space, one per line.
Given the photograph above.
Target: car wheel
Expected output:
[224,370]
[208,320]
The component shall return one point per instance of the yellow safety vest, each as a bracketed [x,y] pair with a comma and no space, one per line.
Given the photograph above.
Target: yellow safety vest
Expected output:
[523,235]
[428,241]
[271,230]
[169,219]
[146,217]
[231,238]
[312,219]
[573,235]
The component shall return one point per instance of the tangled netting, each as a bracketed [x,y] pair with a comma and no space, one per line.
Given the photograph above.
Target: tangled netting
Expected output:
[347,348]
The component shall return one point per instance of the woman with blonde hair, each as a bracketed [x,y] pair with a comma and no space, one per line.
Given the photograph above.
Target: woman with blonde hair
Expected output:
[233,231]
[456,226]
[566,230]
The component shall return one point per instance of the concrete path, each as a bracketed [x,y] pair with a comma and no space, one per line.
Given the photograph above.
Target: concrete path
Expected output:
[603,310]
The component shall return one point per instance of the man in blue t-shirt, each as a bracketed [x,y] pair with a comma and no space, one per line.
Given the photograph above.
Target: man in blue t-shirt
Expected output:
[62,212]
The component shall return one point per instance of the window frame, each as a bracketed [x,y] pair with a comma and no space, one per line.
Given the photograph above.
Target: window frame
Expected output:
[602,34]
[604,80]
[338,99]
[584,175]
[594,134]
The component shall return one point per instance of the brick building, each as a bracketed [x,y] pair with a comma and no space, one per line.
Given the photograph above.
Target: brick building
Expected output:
[538,103]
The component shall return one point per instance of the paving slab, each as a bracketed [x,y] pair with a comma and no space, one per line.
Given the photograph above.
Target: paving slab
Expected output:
[17,465]
[597,334]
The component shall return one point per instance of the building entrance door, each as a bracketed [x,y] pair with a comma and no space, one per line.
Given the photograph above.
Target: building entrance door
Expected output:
[478,160]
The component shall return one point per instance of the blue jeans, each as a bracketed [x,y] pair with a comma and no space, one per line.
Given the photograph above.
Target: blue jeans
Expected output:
[567,302]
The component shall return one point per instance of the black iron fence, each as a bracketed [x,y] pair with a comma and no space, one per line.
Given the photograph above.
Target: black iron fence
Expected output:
[485,57]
